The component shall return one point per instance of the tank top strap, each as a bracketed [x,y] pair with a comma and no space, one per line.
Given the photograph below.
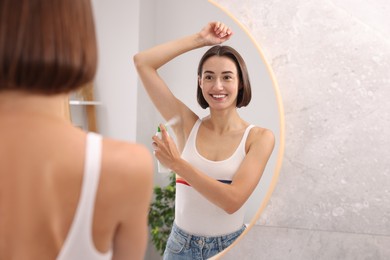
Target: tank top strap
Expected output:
[246,133]
[243,139]
[91,175]
[194,132]
[79,241]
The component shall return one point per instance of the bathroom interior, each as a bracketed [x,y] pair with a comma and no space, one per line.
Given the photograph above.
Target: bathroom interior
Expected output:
[320,80]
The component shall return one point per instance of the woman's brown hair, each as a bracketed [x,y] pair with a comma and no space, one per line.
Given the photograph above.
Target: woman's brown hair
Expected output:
[46,46]
[244,88]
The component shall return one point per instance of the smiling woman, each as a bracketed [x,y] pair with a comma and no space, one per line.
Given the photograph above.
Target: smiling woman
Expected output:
[211,177]
[221,157]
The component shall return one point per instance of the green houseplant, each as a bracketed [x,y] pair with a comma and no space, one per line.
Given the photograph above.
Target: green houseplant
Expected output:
[162,213]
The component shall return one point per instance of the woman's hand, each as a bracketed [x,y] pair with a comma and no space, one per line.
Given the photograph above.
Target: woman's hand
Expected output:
[215,33]
[165,149]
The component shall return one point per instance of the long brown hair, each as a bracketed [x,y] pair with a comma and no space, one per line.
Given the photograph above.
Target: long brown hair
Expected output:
[46,46]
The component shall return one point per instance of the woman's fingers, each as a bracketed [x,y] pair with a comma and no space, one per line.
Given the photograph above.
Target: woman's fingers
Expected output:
[154,146]
[157,142]
[215,33]
[165,148]
[221,29]
[164,132]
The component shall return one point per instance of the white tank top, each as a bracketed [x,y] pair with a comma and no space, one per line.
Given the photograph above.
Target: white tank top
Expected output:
[79,241]
[193,212]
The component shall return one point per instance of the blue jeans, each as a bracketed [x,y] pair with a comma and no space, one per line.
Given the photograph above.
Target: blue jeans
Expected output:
[182,246]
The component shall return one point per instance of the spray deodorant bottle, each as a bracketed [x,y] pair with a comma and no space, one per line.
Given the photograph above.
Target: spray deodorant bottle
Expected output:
[160,166]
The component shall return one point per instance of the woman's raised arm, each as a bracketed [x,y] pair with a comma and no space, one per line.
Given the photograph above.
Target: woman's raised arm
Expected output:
[149,61]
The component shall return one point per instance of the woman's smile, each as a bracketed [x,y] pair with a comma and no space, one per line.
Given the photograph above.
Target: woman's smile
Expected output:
[219,97]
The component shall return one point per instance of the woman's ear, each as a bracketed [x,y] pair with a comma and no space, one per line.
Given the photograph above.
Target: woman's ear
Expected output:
[199,82]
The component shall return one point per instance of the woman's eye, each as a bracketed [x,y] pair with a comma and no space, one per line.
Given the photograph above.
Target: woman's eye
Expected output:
[208,77]
[227,78]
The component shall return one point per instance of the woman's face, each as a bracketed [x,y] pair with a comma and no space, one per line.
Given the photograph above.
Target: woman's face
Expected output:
[219,82]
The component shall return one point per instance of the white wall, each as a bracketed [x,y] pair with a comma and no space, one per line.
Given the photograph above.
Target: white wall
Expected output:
[117,23]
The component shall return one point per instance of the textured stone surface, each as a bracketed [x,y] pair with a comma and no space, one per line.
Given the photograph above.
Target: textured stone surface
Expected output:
[288,243]
[332,63]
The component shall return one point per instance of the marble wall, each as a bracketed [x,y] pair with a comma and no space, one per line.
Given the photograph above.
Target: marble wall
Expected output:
[332,63]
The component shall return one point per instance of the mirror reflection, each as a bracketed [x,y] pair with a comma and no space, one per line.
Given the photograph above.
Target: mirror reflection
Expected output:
[173,21]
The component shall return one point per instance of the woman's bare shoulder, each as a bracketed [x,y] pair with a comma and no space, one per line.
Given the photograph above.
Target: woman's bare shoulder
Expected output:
[261,132]
[261,136]
[127,162]
[126,181]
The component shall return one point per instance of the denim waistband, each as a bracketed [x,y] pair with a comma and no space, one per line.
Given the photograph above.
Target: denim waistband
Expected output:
[201,240]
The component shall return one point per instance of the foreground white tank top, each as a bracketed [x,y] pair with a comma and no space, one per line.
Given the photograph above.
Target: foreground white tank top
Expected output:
[193,212]
[79,242]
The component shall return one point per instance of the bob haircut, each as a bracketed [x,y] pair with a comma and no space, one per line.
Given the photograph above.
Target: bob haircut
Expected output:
[244,86]
[46,46]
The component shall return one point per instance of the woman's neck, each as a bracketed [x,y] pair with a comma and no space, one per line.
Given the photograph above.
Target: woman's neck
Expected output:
[224,121]
[18,102]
